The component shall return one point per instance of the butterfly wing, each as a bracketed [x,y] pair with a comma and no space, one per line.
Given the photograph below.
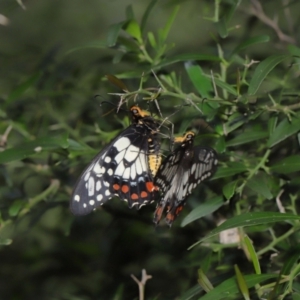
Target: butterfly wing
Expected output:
[120,169]
[180,173]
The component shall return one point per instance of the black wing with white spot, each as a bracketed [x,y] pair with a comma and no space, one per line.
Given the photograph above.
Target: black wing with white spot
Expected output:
[180,173]
[121,169]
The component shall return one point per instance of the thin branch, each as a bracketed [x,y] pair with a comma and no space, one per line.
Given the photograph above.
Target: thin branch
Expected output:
[142,283]
[257,10]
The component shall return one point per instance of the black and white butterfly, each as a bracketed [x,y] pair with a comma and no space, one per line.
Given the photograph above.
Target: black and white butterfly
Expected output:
[180,173]
[125,168]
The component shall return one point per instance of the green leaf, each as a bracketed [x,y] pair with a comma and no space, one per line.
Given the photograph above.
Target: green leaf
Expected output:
[31,148]
[133,29]
[259,184]
[247,137]
[22,88]
[253,255]
[16,207]
[284,130]
[117,82]
[113,33]
[249,219]
[231,169]
[241,283]
[225,86]
[5,242]
[146,14]
[200,81]
[262,70]
[287,165]
[203,210]
[222,28]
[152,40]
[163,34]
[91,45]
[251,41]
[229,189]
[186,57]
[229,287]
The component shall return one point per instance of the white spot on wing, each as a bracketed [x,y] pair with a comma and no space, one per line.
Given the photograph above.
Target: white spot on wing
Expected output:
[91,187]
[122,143]
[138,166]
[106,183]
[120,169]
[107,193]
[87,176]
[131,153]
[119,157]
[77,198]
[97,168]
[84,205]
[110,172]
[99,197]
[91,202]
[133,172]
[98,185]
[107,159]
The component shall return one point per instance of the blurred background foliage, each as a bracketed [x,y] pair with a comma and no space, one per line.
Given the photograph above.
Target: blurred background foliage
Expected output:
[234,65]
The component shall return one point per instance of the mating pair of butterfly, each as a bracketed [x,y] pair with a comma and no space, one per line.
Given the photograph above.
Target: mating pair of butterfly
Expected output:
[131,168]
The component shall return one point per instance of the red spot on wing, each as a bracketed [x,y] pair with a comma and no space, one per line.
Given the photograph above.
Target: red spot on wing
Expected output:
[144,194]
[134,197]
[116,187]
[125,189]
[150,186]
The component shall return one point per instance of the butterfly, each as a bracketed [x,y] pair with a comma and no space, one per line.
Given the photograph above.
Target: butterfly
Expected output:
[125,168]
[180,173]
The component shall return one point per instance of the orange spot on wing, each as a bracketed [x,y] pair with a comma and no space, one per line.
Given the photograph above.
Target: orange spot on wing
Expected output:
[116,187]
[125,189]
[134,197]
[150,186]
[144,194]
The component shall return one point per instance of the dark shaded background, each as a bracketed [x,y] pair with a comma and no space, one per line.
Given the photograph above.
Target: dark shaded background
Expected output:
[52,254]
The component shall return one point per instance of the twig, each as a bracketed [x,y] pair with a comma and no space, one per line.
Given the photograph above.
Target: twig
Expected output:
[258,11]
[278,202]
[141,283]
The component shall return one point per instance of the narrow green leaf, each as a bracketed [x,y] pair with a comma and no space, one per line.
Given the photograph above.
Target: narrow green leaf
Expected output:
[202,84]
[16,207]
[163,34]
[146,14]
[253,255]
[113,33]
[287,165]
[262,70]
[229,189]
[241,283]
[222,28]
[133,29]
[252,41]
[186,57]
[117,82]
[91,45]
[230,169]
[204,281]
[5,242]
[23,87]
[249,219]
[31,148]
[284,130]
[229,287]
[152,40]
[203,210]
[247,137]
[226,86]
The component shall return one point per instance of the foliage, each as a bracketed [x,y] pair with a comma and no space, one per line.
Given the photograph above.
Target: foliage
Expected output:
[239,90]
